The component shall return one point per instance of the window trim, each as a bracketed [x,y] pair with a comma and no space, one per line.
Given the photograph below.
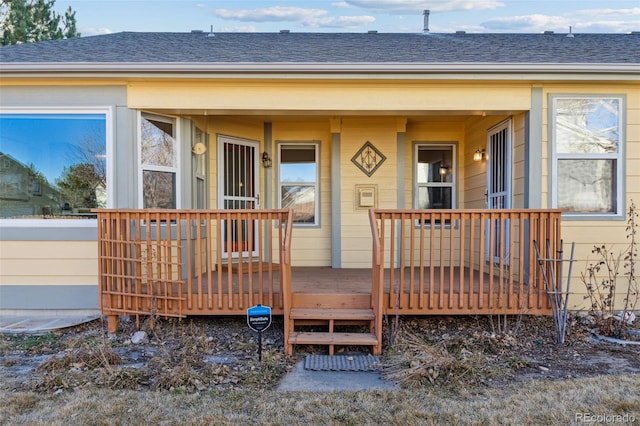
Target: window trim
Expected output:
[109,149]
[142,167]
[454,181]
[619,158]
[204,176]
[316,185]
[434,146]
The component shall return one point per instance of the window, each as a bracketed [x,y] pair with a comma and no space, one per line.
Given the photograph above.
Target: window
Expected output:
[53,164]
[298,182]
[158,162]
[434,176]
[587,152]
[200,171]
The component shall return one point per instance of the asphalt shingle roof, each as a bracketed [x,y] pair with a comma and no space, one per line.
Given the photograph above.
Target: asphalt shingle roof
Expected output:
[131,47]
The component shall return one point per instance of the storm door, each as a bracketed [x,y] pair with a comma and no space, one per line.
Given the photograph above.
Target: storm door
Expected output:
[499,188]
[238,188]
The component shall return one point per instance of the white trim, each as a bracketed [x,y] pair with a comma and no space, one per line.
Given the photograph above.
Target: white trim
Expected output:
[142,167]
[619,157]
[307,67]
[507,165]
[220,141]
[454,178]
[109,149]
[503,125]
[315,184]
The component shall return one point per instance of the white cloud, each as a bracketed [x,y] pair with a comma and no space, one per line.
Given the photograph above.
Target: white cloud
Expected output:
[272,14]
[340,4]
[239,29]
[416,6]
[634,11]
[340,22]
[605,27]
[306,17]
[528,23]
[89,31]
[537,23]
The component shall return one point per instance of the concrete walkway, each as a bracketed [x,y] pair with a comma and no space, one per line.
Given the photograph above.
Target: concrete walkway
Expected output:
[40,325]
[300,379]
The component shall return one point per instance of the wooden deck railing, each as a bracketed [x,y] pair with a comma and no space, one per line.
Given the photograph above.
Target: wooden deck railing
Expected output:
[461,261]
[192,262]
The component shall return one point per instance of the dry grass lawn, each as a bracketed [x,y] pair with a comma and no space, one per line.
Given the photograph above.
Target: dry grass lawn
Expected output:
[536,402]
[452,371]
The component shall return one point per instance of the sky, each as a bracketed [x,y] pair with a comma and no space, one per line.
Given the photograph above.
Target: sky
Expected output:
[478,16]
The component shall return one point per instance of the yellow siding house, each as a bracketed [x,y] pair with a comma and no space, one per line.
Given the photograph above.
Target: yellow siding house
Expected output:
[328,125]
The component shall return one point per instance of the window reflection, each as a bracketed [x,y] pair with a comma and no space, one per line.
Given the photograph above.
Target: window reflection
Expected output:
[587,140]
[298,175]
[159,162]
[434,177]
[52,165]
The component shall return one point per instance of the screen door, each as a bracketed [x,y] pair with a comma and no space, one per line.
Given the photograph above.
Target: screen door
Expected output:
[238,186]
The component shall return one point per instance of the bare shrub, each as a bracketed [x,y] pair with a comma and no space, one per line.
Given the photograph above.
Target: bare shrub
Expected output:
[602,278]
[415,361]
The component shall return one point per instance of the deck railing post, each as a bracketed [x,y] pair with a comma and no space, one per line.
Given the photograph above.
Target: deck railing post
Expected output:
[377,276]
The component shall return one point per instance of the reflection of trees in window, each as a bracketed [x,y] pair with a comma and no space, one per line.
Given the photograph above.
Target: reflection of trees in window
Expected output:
[158,143]
[52,161]
[79,185]
[158,157]
[158,189]
[83,184]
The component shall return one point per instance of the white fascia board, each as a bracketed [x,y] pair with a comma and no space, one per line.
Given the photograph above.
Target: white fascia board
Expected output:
[460,68]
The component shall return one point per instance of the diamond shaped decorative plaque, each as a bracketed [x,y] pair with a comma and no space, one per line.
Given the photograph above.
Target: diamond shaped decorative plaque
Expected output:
[368,159]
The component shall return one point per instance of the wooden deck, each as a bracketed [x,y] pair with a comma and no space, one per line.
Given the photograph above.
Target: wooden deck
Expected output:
[424,262]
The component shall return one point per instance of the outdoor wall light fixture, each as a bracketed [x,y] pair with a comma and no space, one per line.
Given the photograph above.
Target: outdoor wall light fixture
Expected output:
[266,160]
[479,155]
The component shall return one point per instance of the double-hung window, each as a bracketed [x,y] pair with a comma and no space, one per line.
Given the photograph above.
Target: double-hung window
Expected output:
[298,181]
[434,180]
[587,140]
[158,162]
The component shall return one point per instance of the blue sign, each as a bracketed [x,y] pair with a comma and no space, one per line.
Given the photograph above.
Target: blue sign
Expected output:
[259,317]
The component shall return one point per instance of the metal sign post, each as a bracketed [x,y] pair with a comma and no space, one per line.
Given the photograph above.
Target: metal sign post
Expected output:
[259,319]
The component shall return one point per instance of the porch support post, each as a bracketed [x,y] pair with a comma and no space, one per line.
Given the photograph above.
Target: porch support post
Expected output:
[533,152]
[400,141]
[336,210]
[401,133]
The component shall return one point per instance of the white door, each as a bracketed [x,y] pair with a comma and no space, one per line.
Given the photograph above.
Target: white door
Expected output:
[238,188]
[499,186]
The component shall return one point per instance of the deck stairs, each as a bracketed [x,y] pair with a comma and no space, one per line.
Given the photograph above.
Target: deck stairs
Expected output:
[324,320]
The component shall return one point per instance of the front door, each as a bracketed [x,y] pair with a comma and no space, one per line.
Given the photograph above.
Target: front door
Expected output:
[238,188]
[499,187]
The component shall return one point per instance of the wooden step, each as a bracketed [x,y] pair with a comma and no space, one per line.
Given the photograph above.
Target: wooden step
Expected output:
[331,300]
[310,338]
[332,314]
